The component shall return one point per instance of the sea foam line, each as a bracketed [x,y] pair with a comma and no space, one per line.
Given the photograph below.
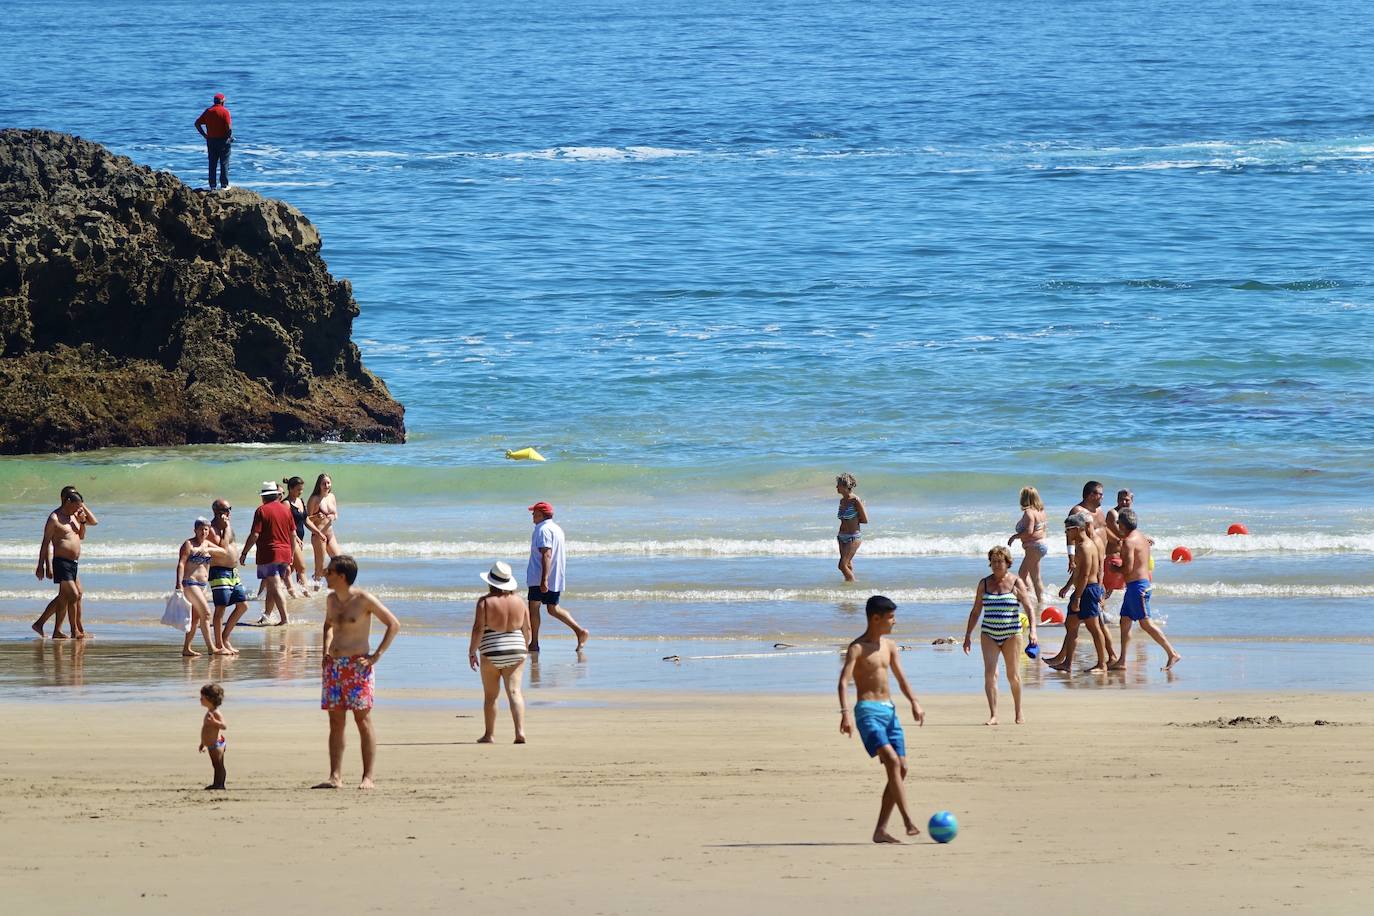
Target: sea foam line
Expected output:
[913,546]
[642,596]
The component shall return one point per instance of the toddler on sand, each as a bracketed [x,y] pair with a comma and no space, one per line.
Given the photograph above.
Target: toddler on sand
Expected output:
[867,661]
[212,731]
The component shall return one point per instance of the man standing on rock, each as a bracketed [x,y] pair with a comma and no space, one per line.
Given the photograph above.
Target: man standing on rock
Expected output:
[274,533]
[58,557]
[215,125]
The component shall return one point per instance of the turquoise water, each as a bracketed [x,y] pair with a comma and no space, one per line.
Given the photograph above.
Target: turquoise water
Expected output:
[704,256]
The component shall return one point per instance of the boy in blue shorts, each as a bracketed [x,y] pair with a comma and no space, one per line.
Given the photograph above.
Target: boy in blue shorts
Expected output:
[866,662]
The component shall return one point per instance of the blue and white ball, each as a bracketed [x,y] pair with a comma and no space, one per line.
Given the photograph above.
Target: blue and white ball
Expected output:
[943,827]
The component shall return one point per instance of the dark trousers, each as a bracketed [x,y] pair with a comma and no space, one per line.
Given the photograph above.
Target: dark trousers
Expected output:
[218,150]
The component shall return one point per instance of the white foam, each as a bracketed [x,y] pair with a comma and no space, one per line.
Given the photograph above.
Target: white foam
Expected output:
[820,595]
[877,546]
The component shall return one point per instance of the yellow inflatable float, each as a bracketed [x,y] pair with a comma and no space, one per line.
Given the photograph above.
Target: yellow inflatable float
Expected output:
[525,454]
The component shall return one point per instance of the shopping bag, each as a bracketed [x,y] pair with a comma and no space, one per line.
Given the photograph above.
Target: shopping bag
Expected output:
[178,613]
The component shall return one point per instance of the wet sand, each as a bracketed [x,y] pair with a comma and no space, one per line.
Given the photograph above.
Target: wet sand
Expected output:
[658,804]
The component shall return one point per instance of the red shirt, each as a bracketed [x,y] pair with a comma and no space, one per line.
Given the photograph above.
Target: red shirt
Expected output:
[276,531]
[216,121]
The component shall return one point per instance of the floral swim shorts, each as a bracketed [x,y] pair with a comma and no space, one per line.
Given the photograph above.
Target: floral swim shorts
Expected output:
[347,684]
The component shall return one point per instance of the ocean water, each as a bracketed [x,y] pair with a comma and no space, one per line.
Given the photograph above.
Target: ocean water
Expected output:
[705,256]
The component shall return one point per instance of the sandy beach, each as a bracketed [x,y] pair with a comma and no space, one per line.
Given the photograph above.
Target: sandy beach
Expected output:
[647,804]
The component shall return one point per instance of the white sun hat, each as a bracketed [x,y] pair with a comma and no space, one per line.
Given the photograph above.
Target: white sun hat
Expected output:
[500,578]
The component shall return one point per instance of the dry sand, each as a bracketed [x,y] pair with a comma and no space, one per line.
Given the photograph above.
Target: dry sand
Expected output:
[712,805]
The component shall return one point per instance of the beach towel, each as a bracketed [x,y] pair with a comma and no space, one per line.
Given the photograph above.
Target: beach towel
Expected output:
[178,613]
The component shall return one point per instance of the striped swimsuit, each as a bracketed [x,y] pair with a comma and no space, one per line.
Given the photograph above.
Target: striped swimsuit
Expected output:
[1001,614]
[504,649]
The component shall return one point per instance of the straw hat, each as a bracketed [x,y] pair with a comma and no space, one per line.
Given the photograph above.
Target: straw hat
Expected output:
[269,488]
[500,578]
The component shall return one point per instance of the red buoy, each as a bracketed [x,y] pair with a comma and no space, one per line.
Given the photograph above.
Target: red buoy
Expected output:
[1182,555]
[1051,615]
[1237,528]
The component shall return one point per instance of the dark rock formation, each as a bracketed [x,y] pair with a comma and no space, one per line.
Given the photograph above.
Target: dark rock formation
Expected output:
[135,310]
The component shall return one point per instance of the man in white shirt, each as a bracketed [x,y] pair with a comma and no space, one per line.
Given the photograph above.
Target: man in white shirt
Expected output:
[545,574]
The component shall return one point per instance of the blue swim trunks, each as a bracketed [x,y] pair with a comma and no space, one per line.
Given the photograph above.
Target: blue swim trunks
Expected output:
[1136,603]
[878,726]
[1090,602]
[226,586]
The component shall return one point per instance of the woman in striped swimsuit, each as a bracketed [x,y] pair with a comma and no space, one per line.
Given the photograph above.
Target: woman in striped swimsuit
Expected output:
[501,633]
[999,600]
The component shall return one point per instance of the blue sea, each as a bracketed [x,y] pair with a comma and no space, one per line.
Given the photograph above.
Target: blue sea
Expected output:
[704,256]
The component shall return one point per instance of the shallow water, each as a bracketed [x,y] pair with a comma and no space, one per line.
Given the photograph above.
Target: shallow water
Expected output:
[283,664]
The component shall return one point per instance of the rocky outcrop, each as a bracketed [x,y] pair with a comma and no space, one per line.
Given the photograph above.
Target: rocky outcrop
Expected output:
[135,310]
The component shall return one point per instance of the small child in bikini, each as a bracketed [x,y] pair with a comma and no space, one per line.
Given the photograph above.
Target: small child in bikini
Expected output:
[212,731]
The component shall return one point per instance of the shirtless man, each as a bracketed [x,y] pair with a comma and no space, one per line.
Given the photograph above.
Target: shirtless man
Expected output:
[866,662]
[348,663]
[1091,506]
[226,587]
[1085,607]
[58,555]
[1135,605]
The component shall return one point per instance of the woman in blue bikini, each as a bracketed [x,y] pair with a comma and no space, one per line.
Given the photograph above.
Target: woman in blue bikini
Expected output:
[851,516]
[999,600]
[198,553]
[1030,531]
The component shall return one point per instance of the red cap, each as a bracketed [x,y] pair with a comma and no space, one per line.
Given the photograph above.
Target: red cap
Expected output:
[219,96]
[542,507]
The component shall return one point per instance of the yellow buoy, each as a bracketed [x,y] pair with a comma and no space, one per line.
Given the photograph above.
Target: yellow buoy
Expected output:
[525,454]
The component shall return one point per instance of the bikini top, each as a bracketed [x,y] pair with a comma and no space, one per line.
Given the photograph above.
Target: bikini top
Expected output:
[1039,527]
[848,513]
[198,559]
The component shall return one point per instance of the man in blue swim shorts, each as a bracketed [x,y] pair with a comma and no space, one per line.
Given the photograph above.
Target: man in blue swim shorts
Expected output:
[226,587]
[1085,607]
[1135,602]
[866,663]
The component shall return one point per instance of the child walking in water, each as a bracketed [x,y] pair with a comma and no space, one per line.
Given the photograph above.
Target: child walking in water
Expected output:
[866,662]
[212,731]
[851,514]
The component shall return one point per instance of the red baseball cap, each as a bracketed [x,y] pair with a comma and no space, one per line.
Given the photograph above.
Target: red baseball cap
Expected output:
[219,96]
[542,507]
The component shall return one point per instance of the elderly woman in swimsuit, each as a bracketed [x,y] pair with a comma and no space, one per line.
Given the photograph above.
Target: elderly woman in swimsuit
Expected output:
[198,553]
[851,515]
[323,511]
[999,600]
[1030,531]
[501,633]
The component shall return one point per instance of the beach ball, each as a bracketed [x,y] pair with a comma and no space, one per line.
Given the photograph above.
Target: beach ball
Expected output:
[1051,615]
[1182,555]
[1237,528]
[943,827]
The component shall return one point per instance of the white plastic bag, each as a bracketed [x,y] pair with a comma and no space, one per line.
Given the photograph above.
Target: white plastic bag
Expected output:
[178,613]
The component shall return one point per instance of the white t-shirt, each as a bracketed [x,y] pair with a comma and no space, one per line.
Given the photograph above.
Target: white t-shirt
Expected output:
[546,534]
